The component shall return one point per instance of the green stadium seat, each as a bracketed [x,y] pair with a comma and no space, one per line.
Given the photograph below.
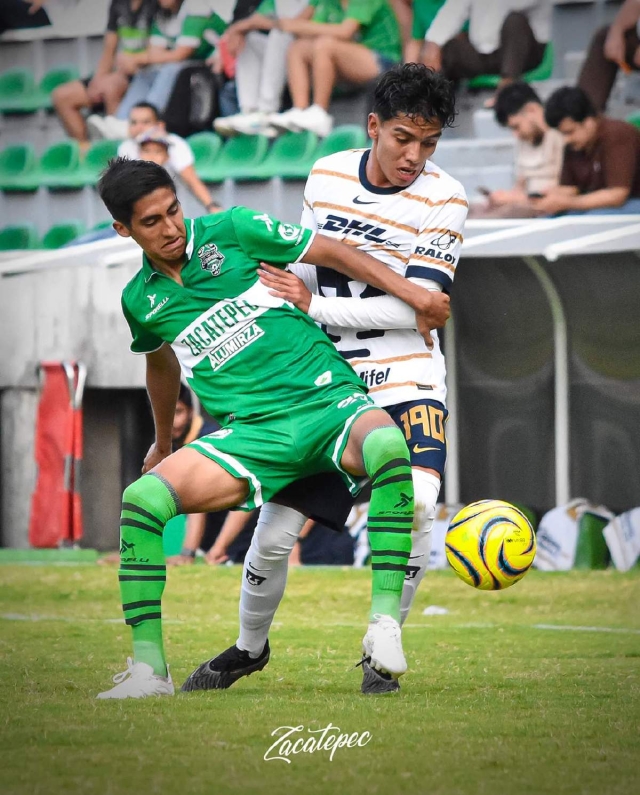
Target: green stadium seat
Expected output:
[61,234]
[17,163]
[347,136]
[91,166]
[206,148]
[238,159]
[592,551]
[542,71]
[29,98]
[15,84]
[59,167]
[19,237]
[634,119]
[289,157]
[102,225]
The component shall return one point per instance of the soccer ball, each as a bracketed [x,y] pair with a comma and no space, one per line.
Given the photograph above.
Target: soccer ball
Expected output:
[490,545]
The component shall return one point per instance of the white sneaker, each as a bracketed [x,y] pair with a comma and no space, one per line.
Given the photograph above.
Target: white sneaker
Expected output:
[225,125]
[254,124]
[287,121]
[316,120]
[139,681]
[96,126]
[383,643]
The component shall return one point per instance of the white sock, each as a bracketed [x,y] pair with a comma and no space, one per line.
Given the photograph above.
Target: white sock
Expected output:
[264,575]
[426,488]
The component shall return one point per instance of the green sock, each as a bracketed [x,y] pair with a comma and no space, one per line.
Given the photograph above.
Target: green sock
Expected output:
[386,461]
[147,505]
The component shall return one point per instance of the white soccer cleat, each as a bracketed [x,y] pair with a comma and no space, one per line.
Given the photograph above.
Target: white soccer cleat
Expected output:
[139,681]
[383,644]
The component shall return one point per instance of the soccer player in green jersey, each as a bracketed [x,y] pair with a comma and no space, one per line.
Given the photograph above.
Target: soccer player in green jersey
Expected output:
[288,403]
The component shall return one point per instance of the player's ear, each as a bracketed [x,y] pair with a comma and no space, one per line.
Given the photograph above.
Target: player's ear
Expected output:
[373,125]
[121,229]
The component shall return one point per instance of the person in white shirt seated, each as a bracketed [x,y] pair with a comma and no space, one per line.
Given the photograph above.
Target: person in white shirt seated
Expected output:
[538,155]
[504,37]
[172,152]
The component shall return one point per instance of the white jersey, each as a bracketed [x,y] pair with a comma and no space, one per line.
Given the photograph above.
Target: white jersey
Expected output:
[415,231]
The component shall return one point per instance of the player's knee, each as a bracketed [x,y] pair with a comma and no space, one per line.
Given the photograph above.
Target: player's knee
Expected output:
[382,446]
[134,492]
[277,531]
[426,489]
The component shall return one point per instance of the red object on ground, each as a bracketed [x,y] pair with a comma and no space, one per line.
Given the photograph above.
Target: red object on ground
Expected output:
[56,510]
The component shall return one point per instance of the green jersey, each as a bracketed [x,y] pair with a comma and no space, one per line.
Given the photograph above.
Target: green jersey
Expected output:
[244,352]
[379,29]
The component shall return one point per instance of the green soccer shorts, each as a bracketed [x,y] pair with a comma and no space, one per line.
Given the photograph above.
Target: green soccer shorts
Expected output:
[274,450]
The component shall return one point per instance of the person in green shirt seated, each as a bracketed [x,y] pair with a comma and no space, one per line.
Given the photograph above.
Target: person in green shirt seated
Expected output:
[424,12]
[350,40]
[180,33]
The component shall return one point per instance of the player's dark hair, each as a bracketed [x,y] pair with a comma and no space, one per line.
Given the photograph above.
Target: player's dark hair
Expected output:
[124,182]
[416,91]
[511,99]
[568,102]
[184,396]
[149,106]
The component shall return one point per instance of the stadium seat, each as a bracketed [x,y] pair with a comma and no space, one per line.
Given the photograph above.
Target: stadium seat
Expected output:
[17,162]
[290,157]
[41,96]
[347,136]
[90,167]
[61,234]
[15,84]
[206,148]
[634,119]
[102,225]
[542,71]
[59,167]
[238,159]
[14,238]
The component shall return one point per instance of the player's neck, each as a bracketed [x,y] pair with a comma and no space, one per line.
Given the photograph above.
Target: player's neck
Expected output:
[172,269]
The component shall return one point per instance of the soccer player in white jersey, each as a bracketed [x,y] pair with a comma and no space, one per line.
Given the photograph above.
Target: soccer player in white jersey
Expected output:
[393,203]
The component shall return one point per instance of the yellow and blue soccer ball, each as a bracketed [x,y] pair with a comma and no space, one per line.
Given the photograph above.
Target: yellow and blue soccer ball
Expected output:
[490,545]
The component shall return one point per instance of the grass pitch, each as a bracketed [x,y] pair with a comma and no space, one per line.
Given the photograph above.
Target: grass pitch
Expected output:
[495,700]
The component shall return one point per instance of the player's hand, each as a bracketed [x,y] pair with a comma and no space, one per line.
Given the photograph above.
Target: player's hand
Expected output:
[285,285]
[431,314]
[155,455]
[216,555]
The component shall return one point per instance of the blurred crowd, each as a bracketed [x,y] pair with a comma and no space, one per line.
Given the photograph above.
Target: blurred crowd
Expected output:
[170,68]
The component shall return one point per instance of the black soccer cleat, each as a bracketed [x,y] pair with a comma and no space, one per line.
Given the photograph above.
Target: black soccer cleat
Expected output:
[225,669]
[375,682]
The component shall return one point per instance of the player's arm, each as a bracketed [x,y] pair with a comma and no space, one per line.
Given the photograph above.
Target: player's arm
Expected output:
[163,385]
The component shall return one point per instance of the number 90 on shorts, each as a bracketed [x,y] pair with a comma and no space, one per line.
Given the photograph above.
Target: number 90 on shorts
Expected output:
[423,424]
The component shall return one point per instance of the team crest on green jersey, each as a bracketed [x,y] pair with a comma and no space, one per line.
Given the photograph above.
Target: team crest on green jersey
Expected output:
[210,258]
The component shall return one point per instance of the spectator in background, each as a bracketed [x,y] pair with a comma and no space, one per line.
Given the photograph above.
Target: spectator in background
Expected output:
[404,14]
[128,28]
[505,37]
[149,140]
[180,32]
[601,168]
[539,153]
[260,49]
[611,48]
[424,12]
[352,40]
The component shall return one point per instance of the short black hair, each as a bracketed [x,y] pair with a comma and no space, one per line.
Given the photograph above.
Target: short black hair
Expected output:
[185,396]
[149,106]
[124,182]
[511,99]
[414,90]
[568,102]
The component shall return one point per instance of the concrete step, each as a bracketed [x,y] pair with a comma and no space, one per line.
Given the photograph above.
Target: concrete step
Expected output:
[475,152]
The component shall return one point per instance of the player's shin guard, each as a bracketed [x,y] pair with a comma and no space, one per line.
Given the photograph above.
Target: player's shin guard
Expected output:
[426,488]
[147,505]
[264,576]
[386,461]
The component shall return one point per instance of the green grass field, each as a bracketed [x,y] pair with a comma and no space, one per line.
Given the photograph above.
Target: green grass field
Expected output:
[493,702]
